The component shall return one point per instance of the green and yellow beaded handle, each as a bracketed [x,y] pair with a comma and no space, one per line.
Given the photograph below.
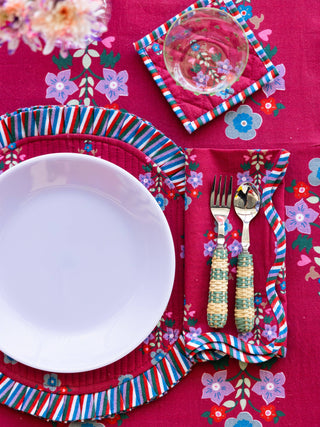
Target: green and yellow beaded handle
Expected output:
[217,310]
[244,303]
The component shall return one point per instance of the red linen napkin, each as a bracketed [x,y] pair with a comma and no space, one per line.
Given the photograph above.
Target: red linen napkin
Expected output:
[266,169]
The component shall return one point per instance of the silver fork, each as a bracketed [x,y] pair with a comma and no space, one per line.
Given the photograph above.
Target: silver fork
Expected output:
[220,203]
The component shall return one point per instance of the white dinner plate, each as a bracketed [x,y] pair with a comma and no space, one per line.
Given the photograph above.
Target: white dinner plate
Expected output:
[87,262]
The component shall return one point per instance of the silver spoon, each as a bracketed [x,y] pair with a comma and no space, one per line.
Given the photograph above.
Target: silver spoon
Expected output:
[246,204]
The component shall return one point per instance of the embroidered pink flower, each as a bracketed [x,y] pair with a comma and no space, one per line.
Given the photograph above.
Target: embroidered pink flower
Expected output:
[171,335]
[216,386]
[60,86]
[300,216]
[270,386]
[113,85]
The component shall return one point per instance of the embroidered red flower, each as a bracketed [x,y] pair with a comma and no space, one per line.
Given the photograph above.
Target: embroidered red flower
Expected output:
[218,413]
[194,193]
[171,194]
[268,413]
[114,419]
[210,235]
[235,234]
[301,190]
[268,105]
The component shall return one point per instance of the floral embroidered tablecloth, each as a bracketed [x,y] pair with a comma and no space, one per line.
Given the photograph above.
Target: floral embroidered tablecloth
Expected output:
[283,114]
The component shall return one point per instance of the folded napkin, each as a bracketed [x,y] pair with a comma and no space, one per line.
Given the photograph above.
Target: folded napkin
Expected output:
[266,169]
[195,110]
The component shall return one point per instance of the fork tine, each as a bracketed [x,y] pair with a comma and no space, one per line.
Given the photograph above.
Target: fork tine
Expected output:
[224,195]
[213,192]
[218,200]
[229,198]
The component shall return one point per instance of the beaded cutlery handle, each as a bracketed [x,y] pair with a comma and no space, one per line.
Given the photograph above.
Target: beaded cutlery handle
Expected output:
[217,310]
[244,303]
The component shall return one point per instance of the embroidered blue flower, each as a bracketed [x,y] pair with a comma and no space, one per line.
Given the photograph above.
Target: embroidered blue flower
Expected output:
[8,360]
[195,47]
[277,84]
[124,378]
[242,123]
[12,146]
[257,300]
[162,201]
[146,179]
[156,356]
[201,79]
[244,419]
[156,47]
[245,11]
[209,248]
[195,179]
[283,286]
[51,381]
[187,202]
[235,248]
[270,332]
[243,177]
[88,146]
[314,177]
[224,66]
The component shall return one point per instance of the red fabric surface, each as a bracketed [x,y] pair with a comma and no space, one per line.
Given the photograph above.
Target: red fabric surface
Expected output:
[292,33]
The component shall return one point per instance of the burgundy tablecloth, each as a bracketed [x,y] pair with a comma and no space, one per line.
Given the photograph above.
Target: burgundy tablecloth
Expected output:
[283,114]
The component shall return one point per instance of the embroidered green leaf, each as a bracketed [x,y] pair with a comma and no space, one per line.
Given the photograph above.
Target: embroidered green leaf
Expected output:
[229,404]
[239,391]
[268,364]
[93,53]
[86,61]
[303,242]
[270,52]
[280,106]
[275,113]
[243,403]
[280,414]
[169,323]
[289,189]
[239,383]
[268,319]
[221,364]
[62,63]
[216,57]
[196,68]
[108,59]
[210,420]
[246,166]
[243,365]
[192,322]
[247,382]
[205,414]
[313,200]
[147,168]
[275,420]
[1,165]
[193,166]
[233,261]
[268,165]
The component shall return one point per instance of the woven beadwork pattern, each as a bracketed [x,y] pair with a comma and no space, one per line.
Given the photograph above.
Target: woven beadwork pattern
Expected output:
[244,305]
[217,311]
